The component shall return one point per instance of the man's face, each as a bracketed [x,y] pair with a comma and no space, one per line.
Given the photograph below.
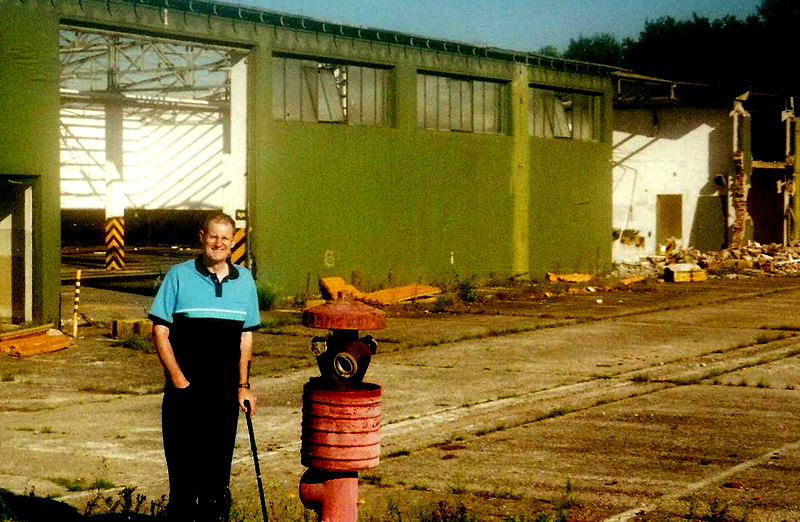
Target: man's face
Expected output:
[217,241]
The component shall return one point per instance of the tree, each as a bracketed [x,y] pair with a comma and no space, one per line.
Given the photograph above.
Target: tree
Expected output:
[549,50]
[601,48]
[719,52]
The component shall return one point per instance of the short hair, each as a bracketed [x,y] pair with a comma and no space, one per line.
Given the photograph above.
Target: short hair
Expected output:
[218,217]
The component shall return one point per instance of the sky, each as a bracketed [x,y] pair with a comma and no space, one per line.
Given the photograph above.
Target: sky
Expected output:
[520,25]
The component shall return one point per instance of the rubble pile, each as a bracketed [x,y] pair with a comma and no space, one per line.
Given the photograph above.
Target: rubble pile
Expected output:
[751,260]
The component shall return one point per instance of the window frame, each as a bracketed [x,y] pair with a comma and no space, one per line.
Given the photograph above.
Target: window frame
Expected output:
[441,103]
[561,124]
[294,99]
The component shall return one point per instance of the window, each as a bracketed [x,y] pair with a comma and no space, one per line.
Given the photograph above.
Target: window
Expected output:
[561,114]
[313,91]
[458,104]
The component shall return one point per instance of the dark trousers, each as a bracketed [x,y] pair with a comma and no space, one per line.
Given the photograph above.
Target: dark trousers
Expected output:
[199,429]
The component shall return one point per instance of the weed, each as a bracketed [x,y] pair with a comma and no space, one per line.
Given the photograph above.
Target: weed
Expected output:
[444,511]
[8,377]
[398,453]
[567,500]
[466,290]
[541,517]
[267,296]
[274,322]
[46,430]
[554,412]
[783,327]
[96,388]
[139,343]
[743,382]
[419,486]
[372,480]
[766,338]
[641,378]
[491,429]
[102,484]
[502,493]
[81,484]
[717,511]
[762,384]
[790,387]
[439,305]
[457,488]
[686,381]
[126,502]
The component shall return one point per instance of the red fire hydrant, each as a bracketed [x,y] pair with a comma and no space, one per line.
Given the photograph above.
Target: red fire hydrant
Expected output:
[341,413]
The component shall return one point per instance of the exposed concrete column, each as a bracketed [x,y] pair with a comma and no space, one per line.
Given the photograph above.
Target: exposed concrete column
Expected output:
[520,173]
[261,219]
[115,192]
[741,228]
[794,204]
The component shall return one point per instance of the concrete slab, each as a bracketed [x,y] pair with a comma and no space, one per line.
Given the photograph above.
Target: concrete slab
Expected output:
[498,411]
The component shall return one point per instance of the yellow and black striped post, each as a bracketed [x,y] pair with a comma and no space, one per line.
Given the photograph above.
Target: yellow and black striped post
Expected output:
[115,243]
[239,249]
[77,301]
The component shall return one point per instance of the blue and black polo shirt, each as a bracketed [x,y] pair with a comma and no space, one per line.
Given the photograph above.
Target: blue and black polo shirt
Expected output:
[206,318]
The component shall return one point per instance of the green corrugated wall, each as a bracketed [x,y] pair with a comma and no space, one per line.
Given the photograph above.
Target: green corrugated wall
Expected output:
[397,204]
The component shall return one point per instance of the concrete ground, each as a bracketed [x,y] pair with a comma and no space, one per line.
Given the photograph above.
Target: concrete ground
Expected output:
[666,402]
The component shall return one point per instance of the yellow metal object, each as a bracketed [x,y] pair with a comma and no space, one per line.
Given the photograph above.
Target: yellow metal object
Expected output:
[239,249]
[115,243]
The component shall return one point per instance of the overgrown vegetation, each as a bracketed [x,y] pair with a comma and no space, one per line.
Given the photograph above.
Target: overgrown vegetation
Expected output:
[268,296]
[126,502]
[80,484]
[280,506]
[138,343]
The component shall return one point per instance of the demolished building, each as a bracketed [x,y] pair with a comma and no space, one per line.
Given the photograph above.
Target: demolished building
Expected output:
[698,166]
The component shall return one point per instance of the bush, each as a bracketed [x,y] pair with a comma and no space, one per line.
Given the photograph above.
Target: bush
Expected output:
[267,296]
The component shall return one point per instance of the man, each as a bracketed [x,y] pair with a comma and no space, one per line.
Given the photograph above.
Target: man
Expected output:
[203,317]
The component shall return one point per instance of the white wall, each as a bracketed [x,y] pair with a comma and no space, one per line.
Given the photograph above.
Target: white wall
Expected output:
[174,160]
[668,151]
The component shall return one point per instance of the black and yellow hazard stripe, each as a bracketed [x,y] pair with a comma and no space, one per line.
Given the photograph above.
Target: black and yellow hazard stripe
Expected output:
[115,243]
[239,249]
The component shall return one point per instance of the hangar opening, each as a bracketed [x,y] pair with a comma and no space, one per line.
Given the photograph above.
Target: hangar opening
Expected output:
[153,133]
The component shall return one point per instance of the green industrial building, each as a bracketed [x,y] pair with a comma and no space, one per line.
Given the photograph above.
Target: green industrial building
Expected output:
[396,157]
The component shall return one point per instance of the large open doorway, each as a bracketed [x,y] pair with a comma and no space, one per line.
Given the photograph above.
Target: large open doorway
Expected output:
[153,131]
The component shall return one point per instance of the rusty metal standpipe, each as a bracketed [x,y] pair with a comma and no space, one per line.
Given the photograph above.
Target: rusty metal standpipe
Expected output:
[341,413]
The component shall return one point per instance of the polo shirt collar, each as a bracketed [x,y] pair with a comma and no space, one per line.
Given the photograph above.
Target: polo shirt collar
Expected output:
[233,272]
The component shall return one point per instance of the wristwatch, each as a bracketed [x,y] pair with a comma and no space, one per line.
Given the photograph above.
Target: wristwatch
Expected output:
[245,385]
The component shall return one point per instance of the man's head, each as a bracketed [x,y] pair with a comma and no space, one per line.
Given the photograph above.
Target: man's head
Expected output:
[217,237]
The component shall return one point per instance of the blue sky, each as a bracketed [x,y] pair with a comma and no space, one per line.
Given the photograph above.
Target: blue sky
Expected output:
[521,25]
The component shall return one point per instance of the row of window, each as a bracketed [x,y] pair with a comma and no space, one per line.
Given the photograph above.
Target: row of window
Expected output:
[314,91]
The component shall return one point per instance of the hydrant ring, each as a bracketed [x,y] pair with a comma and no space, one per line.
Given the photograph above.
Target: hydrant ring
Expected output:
[345,365]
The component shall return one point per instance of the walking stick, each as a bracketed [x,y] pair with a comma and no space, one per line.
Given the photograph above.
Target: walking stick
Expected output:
[255,460]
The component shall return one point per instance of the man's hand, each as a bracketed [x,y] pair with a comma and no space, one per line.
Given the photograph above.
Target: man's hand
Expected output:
[246,395]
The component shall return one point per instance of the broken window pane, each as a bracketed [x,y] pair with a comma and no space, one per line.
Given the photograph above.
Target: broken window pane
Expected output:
[312,91]
[562,114]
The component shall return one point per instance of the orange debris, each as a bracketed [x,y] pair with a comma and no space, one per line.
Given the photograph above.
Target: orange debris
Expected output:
[569,278]
[401,293]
